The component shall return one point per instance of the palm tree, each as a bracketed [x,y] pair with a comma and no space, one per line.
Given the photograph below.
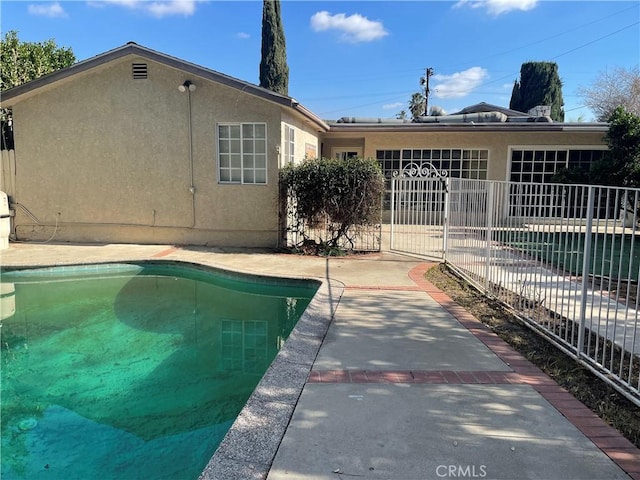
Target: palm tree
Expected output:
[416,105]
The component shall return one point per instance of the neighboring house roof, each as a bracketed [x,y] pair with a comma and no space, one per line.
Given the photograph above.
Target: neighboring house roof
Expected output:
[487,107]
[479,117]
[16,94]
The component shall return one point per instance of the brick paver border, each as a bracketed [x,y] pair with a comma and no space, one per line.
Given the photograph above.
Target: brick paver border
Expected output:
[605,437]
[415,376]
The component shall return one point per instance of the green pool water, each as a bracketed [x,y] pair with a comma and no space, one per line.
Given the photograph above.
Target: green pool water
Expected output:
[132,371]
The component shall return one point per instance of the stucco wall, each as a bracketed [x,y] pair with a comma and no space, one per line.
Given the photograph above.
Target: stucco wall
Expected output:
[497,142]
[106,158]
[306,138]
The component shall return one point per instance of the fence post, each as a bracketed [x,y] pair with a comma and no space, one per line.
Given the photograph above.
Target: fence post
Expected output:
[445,226]
[488,234]
[586,263]
[393,210]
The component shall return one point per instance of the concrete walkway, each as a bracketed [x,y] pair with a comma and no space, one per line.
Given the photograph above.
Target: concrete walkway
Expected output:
[409,386]
[405,385]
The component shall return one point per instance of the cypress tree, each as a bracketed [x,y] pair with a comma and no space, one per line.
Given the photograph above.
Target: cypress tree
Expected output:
[516,99]
[539,84]
[274,71]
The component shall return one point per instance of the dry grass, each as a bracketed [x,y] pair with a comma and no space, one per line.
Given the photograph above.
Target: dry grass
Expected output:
[603,399]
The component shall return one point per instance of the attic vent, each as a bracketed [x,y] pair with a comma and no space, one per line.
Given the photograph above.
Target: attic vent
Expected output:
[139,71]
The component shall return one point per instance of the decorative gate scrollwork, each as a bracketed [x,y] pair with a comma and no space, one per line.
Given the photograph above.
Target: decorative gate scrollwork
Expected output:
[422,170]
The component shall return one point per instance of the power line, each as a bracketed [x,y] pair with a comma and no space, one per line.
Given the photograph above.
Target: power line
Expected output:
[516,73]
[511,75]
[576,108]
[596,40]
[565,32]
[414,71]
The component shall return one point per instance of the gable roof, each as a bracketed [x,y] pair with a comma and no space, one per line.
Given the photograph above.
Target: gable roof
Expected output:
[13,95]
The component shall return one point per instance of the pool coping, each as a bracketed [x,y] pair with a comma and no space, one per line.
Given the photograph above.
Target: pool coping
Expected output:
[249,447]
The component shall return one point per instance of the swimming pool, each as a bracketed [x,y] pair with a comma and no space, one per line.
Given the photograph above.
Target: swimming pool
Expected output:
[132,370]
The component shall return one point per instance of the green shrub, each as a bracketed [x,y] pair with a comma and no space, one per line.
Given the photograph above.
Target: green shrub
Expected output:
[342,194]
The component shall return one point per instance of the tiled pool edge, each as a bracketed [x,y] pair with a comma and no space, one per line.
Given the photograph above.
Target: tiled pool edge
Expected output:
[249,447]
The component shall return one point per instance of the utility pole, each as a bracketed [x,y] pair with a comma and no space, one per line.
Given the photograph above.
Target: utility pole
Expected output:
[425,81]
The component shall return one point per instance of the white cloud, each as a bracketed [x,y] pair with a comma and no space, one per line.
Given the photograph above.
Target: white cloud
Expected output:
[354,28]
[242,35]
[174,7]
[159,9]
[498,7]
[393,106]
[47,10]
[459,84]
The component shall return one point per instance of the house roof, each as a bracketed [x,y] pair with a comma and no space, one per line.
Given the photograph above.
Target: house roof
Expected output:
[16,94]
[488,107]
[361,128]
[479,117]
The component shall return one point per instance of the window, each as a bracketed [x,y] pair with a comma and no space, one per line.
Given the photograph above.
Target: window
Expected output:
[289,144]
[389,161]
[457,162]
[531,165]
[582,159]
[242,153]
[341,154]
[540,165]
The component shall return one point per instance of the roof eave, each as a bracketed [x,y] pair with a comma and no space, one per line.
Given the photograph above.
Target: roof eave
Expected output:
[320,124]
[476,127]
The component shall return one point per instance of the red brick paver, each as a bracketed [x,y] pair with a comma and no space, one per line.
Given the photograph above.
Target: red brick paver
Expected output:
[453,377]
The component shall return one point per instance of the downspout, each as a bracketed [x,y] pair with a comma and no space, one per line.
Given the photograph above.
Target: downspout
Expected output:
[189,87]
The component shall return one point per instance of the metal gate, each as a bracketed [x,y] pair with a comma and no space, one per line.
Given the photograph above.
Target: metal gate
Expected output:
[419,210]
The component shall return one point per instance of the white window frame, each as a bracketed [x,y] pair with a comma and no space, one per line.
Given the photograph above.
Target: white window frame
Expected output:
[251,154]
[345,153]
[289,144]
[567,149]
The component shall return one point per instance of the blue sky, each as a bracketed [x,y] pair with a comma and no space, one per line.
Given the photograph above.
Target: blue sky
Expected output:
[361,58]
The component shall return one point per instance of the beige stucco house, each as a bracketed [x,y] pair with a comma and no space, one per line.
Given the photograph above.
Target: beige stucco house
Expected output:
[137,146]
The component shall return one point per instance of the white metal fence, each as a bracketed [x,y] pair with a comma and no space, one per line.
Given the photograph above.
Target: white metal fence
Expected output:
[565,257]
